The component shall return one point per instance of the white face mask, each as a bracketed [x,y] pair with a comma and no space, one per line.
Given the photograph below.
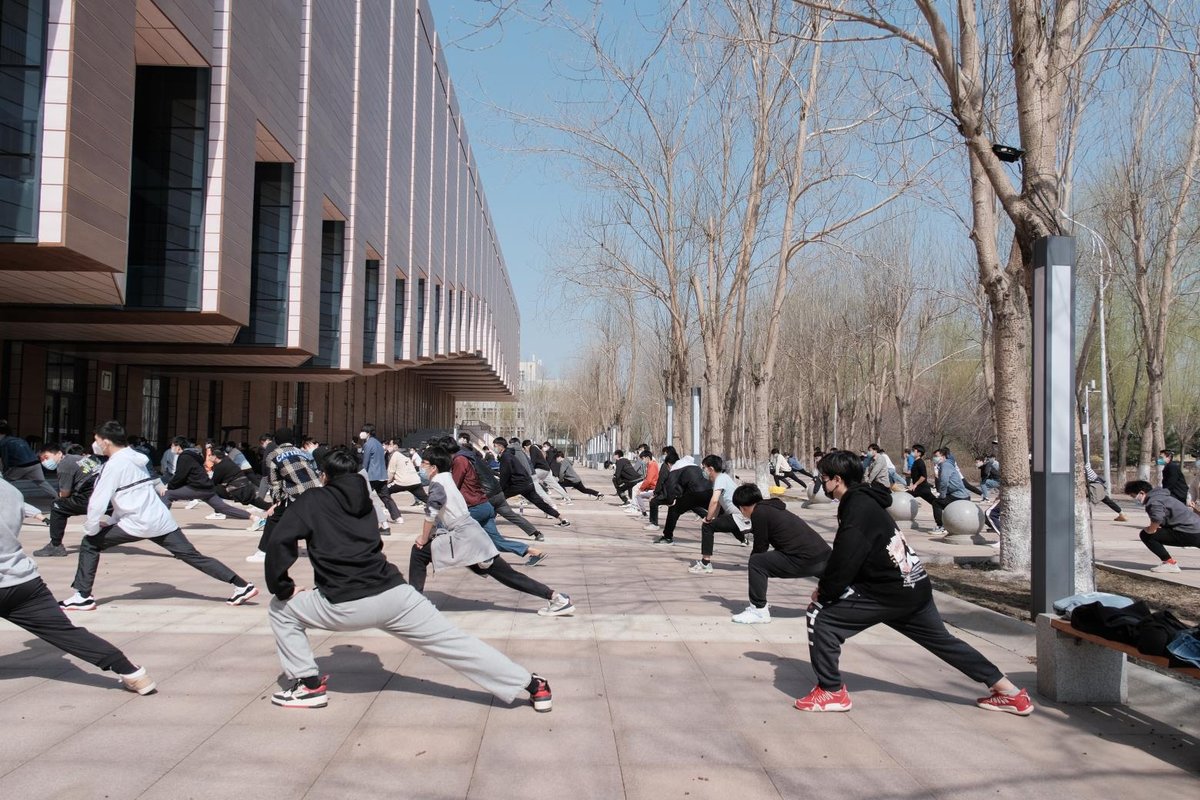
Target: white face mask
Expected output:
[98,448]
[50,463]
[364,436]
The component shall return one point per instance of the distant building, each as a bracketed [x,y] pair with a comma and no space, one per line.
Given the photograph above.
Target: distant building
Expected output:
[217,218]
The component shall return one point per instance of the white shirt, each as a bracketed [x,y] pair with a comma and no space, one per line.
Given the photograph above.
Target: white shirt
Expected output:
[127,484]
[725,484]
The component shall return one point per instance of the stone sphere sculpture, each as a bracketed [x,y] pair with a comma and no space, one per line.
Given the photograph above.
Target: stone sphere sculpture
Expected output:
[904,507]
[962,518]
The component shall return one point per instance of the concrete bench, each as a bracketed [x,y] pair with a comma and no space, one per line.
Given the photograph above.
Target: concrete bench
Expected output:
[1077,667]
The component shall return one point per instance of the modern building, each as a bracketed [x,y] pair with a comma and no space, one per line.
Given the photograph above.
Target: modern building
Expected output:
[218,217]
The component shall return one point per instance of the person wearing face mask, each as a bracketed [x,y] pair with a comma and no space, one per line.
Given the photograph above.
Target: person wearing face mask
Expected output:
[1172,476]
[137,514]
[949,483]
[919,485]
[376,467]
[1171,522]
[873,577]
[77,474]
[722,514]
[402,476]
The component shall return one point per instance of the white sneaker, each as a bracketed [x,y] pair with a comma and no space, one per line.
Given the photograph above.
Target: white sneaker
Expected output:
[754,616]
[560,605]
[258,557]
[257,524]
[700,568]
[649,526]
[633,512]
[1166,566]
[138,681]
[215,515]
[398,520]
[191,504]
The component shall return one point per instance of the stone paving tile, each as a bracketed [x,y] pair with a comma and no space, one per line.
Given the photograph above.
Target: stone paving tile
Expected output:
[657,693]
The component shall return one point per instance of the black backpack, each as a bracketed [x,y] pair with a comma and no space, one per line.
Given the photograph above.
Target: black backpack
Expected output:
[488,480]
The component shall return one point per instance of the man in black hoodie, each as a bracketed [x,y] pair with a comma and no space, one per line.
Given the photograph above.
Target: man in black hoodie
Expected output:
[190,481]
[516,479]
[874,577]
[358,589]
[685,489]
[625,476]
[1172,477]
[795,549]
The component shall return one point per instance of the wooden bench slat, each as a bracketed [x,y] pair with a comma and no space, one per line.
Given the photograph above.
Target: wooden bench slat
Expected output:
[1129,650]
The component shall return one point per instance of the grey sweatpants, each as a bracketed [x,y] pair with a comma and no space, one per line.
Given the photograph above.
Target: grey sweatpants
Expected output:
[406,614]
[547,477]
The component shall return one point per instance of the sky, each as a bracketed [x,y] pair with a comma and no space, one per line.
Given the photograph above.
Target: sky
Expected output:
[497,70]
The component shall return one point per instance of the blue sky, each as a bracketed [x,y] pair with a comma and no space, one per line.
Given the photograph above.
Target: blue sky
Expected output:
[514,69]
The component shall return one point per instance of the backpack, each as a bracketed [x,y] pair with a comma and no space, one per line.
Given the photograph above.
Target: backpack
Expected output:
[488,481]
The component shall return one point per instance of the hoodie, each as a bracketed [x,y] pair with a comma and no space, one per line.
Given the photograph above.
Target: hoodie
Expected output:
[624,471]
[870,555]
[344,547]
[685,478]
[190,472]
[772,524]
[127,484]
[515,477]
[1165,509]
[15,567]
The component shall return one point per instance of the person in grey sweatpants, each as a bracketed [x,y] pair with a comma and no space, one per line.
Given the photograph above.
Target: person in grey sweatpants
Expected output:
[357,588]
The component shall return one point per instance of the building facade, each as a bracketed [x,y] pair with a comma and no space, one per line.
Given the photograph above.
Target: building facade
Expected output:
[220,217]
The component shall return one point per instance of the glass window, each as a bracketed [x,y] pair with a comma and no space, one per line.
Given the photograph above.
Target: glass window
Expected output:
[22,68]
[271,247]
[436,343]
[333,239]
[166,193]
[420,351]
[399,322]
[370,311]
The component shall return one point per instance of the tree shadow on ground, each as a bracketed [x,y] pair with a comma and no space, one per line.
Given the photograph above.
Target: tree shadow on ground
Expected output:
[738,606]
[358,671]
[43,660]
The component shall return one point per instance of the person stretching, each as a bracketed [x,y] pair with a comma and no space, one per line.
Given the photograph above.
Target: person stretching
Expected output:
[137,515]
[874,577]
[358,589]
[785,546]
[722,514]
[1171,522]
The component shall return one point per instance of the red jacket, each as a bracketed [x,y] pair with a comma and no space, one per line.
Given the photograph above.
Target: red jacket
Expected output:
[651,477]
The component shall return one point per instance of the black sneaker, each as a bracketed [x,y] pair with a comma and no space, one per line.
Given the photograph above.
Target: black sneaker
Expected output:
[537,536]
[300,696]
[535,560]
[540,695]
[562,523]
[50,551]
[242,594]
[664,540]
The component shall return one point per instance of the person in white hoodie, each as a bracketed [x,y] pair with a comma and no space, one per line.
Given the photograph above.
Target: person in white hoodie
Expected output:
[137,514]
[26,601]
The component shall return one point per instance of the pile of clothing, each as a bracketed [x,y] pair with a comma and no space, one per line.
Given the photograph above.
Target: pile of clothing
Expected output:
[1133,622]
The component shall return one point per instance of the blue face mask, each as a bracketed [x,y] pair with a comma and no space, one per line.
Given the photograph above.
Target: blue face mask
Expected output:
[50,463]
[1162,462]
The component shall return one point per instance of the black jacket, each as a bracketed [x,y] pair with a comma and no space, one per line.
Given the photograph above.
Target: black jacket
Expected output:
[190,472]
[1174,482]
[514,478]
[624,471]
[773,525]
[538,458]
[870,554]
[338,523]
[688,480]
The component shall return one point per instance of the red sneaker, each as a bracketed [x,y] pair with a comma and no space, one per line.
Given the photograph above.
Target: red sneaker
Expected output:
[540,695]
[821,700]
[1018,704]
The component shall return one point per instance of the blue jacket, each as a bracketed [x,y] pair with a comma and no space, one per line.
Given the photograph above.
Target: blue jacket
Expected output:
[950,481]
[16,452]
[374,460]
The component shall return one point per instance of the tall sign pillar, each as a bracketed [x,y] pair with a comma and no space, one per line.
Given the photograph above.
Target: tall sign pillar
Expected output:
[696,450]
[1053,523]
[670,422]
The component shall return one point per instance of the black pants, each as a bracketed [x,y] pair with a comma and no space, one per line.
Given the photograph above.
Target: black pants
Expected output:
[831,625]
[1168,535]
[61,510]
[1108,501]
[696,502]
[625,487]
[780,478]
[536,499]
[578,486]
[416,490]
[791,475]
[925,493]
[174,543]
[420,558]
[272,521]
[723,524]
[503,509]
[30,605]
[774,564]
[208,496]
[381,490]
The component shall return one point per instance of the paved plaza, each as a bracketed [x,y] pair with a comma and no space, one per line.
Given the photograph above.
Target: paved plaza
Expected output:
[656,693]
